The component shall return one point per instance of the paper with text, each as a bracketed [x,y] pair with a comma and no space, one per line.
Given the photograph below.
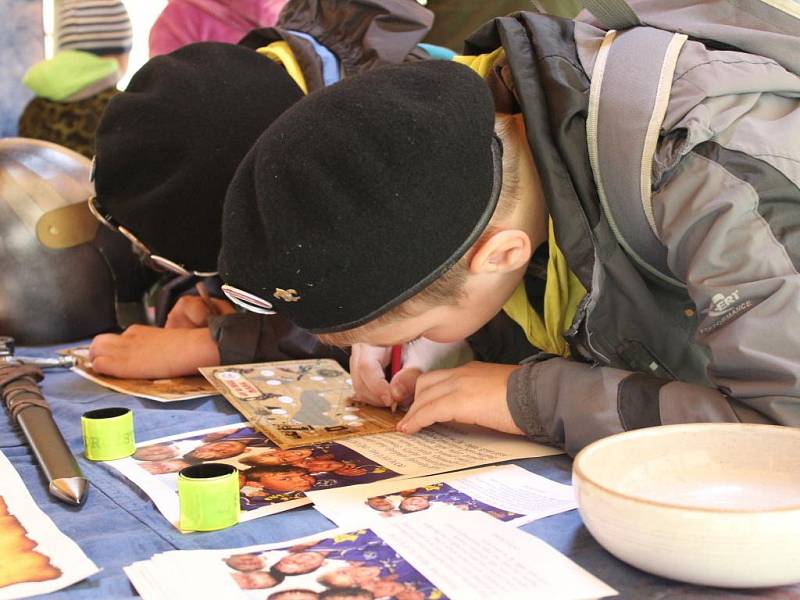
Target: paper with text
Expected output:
[508,493]
[457,556]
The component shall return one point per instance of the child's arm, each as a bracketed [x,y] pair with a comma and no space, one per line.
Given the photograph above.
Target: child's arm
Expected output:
[565,403]
[571,404]
[142,352]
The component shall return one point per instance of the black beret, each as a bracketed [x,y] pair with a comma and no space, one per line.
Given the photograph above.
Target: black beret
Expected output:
[364,193]
[169,145]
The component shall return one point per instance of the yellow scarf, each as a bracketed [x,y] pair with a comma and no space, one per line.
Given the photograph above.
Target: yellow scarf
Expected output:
[283,55]
[562,294]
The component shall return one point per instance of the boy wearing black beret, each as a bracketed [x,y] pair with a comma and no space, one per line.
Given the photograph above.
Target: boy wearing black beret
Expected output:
[168,147]
[421,213]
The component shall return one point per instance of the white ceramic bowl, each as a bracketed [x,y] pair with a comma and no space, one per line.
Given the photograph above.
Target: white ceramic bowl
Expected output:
[708,503]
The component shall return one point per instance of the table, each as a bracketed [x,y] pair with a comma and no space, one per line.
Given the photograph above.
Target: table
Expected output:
[118,524]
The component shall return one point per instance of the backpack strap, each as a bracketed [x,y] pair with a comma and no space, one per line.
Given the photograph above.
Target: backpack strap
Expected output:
[769,28]
[614,14]
[628,98]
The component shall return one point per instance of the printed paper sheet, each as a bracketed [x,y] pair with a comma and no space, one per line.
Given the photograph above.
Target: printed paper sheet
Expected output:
[273,479]
[35,557]
[457,556]
[508,493]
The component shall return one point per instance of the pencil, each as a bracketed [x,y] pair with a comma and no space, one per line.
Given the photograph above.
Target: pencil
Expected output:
[397,364]
[202,291]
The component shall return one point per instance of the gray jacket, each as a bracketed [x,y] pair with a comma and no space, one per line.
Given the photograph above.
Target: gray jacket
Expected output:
[721,340]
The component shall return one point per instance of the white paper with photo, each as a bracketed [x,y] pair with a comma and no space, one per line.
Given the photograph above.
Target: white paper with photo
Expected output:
[461,556]
[48,560]
[445,447]
[348,462]
[508,493]
[162,489]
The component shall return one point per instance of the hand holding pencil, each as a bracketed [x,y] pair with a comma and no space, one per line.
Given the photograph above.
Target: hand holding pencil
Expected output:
[194,311]
[395,366]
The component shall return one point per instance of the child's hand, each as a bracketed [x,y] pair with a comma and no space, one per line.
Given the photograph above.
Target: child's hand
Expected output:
[472,394]
[153,353]
[367,370]
[367,364]
[192,311]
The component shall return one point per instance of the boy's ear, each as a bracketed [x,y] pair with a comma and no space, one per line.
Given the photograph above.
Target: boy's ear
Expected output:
[505,251]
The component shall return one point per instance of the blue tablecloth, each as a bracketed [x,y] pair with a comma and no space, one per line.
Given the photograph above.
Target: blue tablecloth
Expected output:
[118,524]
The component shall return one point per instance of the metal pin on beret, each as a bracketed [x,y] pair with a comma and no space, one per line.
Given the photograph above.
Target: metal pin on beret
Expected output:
[362,194]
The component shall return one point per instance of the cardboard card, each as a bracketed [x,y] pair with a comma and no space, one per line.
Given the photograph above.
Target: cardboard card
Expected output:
[173,389]
[299,402]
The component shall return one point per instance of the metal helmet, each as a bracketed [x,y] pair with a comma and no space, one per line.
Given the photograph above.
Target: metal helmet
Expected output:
[63,277]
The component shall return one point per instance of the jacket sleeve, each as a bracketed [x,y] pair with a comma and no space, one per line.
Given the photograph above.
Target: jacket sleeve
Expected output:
[731,226]
[249,337]
[570,404]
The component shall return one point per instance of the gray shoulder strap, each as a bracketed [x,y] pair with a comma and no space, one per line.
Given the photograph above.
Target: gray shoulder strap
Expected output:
[768,28]
[630,89]
[614,14]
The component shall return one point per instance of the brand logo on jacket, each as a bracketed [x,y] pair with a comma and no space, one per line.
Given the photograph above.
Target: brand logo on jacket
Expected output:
[723,308]
[721,304]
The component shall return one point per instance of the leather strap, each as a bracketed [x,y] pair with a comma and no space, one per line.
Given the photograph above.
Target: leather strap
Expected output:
[19,387]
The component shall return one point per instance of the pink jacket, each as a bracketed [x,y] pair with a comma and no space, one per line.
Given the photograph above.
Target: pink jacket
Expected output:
[185,21]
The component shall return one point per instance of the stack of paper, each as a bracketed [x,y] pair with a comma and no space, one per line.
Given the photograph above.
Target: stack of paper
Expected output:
[425,556]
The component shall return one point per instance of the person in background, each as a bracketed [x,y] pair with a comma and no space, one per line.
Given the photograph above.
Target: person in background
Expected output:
[93,39]
[101,27]
[185,21]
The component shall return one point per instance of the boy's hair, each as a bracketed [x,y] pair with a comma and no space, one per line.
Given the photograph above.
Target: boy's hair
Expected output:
[449,288]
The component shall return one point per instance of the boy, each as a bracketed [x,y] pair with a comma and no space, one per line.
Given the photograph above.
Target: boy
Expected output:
[166,150]
[168,147]
[516,254]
